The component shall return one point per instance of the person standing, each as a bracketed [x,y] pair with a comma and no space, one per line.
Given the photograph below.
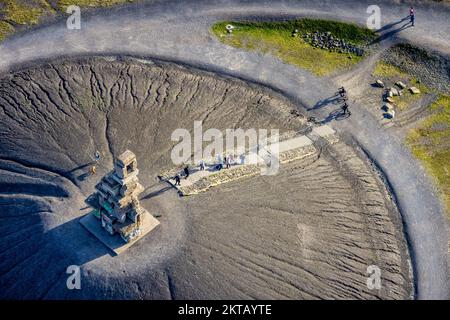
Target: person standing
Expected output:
[228,162]
[202,165]
[186,172]
[411,15]
[97,156]
[345,108]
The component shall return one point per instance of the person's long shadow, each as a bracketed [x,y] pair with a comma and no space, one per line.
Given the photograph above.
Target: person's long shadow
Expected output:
[392,24]
[81,167]
[156,193]
[337,115]
[325,102]
[390,34]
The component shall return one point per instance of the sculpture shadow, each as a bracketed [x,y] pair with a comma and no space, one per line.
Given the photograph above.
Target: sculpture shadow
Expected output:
[50,253]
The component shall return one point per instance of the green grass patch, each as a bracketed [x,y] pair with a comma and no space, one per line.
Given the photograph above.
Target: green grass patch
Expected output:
[276,38]
[430,143]
[5,30]
[24,13]
[390,74]
[63,4]
[387,71]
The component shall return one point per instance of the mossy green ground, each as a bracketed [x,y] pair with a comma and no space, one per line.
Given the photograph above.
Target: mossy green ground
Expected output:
[276,38]
[18,14]
[391,74]
[5,29]
[24,12]
[430,142]
[63,4]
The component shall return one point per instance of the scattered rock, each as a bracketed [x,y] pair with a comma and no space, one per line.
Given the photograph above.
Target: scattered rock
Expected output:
[389,114]
[331,43]
[379,83]
[394,92]
[387,107]
[400,84]
[414,90]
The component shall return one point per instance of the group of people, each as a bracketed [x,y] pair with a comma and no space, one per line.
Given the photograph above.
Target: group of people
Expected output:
[227,161]
[343,94]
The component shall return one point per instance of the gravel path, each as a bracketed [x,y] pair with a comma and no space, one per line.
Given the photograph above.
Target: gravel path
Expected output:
[179,32]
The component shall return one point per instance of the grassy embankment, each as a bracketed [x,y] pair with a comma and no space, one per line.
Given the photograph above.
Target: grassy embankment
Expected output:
[16,15]
[430,140]
[276,38]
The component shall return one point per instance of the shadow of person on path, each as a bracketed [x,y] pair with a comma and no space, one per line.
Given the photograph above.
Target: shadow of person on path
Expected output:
[392,24]
[337,115]
[83,176]
[156,193]
[390,34]
[325,102]
[81,167]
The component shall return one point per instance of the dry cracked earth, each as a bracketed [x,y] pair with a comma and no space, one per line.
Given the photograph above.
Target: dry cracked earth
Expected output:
[309,232]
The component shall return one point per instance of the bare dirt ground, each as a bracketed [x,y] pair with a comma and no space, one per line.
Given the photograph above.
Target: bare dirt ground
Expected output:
[308,232]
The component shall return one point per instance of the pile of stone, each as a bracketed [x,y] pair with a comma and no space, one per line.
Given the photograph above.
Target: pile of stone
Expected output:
[325,40]
[118,199]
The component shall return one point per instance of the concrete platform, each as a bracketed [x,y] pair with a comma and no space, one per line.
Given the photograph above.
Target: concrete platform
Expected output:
[115,242]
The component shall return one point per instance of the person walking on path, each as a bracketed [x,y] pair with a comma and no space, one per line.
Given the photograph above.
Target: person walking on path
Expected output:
[97,156]
[93,170]
[345,109]
[186,172]
[411,15]
[177,180]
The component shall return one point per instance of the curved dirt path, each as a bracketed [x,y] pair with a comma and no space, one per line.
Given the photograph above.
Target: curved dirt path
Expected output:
[179,32]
